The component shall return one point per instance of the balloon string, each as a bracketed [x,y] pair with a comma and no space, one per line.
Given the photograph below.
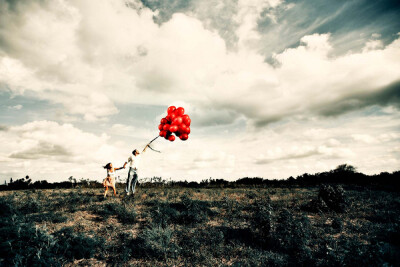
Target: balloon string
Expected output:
[150,146]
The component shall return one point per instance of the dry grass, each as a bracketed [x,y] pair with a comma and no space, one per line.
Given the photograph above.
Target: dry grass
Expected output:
[180,226]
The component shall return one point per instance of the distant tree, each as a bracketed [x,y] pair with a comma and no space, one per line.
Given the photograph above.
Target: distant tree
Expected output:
[345,168]
[11,180]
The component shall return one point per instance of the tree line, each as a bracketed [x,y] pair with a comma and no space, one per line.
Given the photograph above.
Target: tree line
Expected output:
[342,174]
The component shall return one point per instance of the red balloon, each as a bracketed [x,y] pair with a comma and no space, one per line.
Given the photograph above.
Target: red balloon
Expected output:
[182,128]
[187,120]
[183,137]
[173,128]
[166,127]
[180,111]
[175,124]
[177,121]
[171,109]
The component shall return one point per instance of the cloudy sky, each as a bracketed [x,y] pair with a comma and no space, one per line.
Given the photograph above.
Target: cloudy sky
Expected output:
[274,88]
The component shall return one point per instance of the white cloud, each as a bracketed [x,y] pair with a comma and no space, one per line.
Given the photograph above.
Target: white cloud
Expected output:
[90,60]
[368,139]
[60,148]
[16,107]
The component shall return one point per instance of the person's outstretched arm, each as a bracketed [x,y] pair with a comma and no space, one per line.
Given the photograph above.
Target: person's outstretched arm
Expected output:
[144,150]
[123,167]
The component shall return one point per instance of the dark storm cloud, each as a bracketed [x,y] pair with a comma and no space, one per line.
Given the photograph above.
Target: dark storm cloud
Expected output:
[214,117]
[351,23]
[42,150]
[262,122]
[386,96]
[389,95]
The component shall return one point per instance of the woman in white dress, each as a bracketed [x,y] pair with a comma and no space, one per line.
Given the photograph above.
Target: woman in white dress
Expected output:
[109,181]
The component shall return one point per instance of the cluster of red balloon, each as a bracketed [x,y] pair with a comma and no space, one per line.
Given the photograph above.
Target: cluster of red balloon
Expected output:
[176,122]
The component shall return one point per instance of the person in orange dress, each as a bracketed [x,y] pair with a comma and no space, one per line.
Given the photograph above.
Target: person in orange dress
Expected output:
[109,181]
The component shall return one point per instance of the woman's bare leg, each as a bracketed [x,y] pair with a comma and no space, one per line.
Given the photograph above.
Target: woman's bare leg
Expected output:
[115,192]
[105,193]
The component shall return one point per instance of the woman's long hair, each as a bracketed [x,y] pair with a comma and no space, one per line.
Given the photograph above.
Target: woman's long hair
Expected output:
[107,166]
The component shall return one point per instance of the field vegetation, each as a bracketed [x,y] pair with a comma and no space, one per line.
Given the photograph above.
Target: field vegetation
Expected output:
[318,225]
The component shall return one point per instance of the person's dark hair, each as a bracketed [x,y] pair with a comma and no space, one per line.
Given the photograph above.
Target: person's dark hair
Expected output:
[107,166]
[134,151]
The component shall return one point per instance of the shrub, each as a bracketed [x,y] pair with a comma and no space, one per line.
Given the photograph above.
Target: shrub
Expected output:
[292,236]
[194,211]
[77,245]
[155,242]
[187,211]
[6,207]
[262,222]
[334,197]
[315,205]
[200,243]
[123,213]
[349,251]
[330,198]
[30,205]
[74,199]
[23,244]
[163,214]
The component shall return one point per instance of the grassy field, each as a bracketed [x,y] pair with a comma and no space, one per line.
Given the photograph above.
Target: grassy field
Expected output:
[318,226]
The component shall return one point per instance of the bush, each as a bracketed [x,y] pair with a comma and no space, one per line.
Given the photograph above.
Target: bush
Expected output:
[334,197]
[121,211]
[6,207]
[187,211]
[163,215]
[193,211]
[202,243]
[349,251]
[262,222]
[155,242]
[330,198]
[23,244]
[30,205]
[292,236]
[77,245]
